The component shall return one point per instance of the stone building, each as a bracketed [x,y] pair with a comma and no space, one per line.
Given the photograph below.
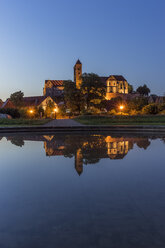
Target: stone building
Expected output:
[116,85]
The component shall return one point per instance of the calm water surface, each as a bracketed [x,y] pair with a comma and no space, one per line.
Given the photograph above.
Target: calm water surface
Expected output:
[86,191]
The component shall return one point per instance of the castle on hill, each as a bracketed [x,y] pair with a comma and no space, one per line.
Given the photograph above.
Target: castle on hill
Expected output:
[116,84]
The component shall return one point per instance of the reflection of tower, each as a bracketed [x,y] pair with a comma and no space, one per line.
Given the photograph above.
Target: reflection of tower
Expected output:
[78,73]
[79,161]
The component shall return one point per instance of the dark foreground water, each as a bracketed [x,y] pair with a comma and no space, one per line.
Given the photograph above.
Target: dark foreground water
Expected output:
[82,191]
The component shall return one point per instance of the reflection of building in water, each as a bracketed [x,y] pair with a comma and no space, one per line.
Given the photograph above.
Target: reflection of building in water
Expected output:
[53,146]
[85,149]
[52,149]
[79,161]
[117,148]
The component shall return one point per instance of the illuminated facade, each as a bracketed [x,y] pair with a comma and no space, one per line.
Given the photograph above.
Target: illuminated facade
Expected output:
[117,148]
[116,85]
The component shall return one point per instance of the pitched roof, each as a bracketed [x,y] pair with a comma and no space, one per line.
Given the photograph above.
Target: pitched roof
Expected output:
[27,102]
[78,62]
[33,100]
[104,79]
[56,83]
[8,104]
[118,77]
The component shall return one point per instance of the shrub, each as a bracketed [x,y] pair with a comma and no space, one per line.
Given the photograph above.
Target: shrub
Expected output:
[134,112]
[11,111]
[151,109]
[112,112]
[94,110]
[37,112]
[137,103]
[40,111]
[62,110]
[162,112]
[23,113]
[161,107]
[122,113]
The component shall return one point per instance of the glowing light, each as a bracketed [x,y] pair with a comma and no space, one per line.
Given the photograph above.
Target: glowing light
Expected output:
[31,111]
[55,110]
[121,107]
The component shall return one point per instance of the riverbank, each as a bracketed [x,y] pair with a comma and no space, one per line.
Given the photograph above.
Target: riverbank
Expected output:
[86,129]
[90,120]
[22,122]
[89,124]
[122,120]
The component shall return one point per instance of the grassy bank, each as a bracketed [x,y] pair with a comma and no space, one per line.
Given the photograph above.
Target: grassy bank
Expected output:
[22,122]
[122,120]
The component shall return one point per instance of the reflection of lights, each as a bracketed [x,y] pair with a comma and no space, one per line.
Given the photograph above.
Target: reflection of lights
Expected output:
[121,107]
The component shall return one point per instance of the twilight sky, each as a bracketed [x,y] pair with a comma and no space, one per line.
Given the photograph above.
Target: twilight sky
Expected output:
[42,39]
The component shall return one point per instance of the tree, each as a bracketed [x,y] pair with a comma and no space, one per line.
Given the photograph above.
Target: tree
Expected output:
[143,143]
[62,110]
[150,109]
[72,97]
[130,88]
[137,103]
[143,90]
[17,141]
[17,98]
[92,89]
[115,103]
[49,109]
[41,111]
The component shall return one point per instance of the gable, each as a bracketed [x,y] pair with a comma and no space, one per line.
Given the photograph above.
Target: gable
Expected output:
[46,101]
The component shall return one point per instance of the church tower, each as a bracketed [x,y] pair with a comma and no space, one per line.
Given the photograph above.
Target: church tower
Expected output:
[78,73]
[79,161]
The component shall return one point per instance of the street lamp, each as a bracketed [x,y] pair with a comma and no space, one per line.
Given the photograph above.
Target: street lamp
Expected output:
[121,107]
[31,112]
[55,111]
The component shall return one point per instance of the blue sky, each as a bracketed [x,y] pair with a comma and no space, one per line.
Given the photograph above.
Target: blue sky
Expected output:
[42,39]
